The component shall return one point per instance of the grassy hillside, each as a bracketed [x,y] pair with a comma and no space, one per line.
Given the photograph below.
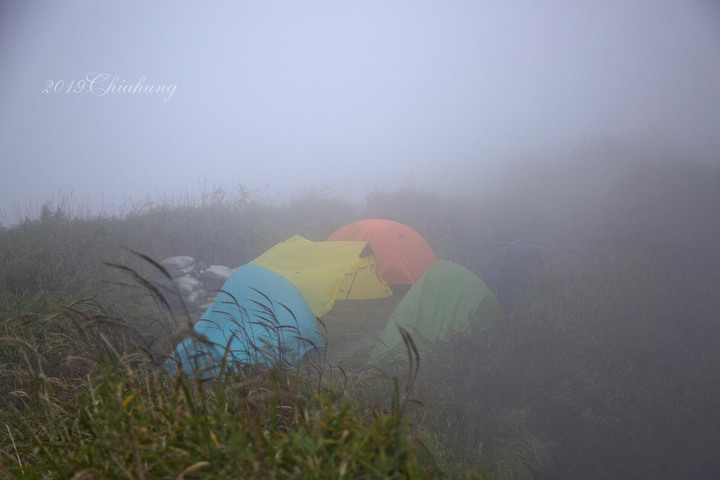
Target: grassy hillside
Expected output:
[606,368]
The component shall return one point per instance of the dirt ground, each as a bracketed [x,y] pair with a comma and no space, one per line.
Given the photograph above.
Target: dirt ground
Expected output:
[352,327]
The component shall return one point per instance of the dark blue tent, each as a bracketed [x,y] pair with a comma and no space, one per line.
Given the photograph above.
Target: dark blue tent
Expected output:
[257,317]
[509,269]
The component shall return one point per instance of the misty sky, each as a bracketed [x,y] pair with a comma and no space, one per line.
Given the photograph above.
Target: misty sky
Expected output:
[341,96]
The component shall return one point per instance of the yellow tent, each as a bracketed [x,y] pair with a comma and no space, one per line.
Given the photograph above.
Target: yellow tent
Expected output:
[326,271]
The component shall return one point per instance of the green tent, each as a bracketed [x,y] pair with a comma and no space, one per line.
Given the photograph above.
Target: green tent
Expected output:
[445,299]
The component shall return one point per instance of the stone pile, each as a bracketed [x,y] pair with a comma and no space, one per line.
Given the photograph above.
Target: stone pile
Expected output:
[195,282]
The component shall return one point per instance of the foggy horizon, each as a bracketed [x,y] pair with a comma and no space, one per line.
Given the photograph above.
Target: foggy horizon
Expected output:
[109,105]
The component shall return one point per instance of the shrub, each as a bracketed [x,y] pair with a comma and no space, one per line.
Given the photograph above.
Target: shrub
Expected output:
[601,372]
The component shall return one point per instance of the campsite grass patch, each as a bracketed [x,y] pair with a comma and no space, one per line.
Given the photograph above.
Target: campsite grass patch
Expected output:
[352,328]
[111,412]
[134,424]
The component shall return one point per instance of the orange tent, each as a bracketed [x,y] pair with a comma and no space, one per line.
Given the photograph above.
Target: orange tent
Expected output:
[402,255]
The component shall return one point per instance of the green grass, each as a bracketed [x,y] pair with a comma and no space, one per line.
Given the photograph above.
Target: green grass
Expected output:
[86,400]
[607,368]
[140,424]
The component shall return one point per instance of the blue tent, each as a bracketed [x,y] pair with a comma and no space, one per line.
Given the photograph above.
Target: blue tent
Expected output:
[257,317]
[509,269]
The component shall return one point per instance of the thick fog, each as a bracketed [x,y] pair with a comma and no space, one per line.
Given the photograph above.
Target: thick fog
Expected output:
[105,102]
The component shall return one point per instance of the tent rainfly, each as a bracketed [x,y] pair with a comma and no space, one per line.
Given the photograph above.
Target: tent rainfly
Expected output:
[509,270]
[402,254]
[257,317]
[326,271]
[445,299]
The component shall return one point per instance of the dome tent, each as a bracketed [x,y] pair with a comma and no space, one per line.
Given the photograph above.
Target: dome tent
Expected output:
[326,271]
[509,269]
[257,317]
[402,255]
[445,299]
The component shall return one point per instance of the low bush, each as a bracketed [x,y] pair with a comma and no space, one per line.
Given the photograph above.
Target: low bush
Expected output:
[601,372]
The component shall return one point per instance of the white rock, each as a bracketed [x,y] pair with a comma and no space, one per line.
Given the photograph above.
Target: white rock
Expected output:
[215,276]
[187,285]
[176,266]
[198,296]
